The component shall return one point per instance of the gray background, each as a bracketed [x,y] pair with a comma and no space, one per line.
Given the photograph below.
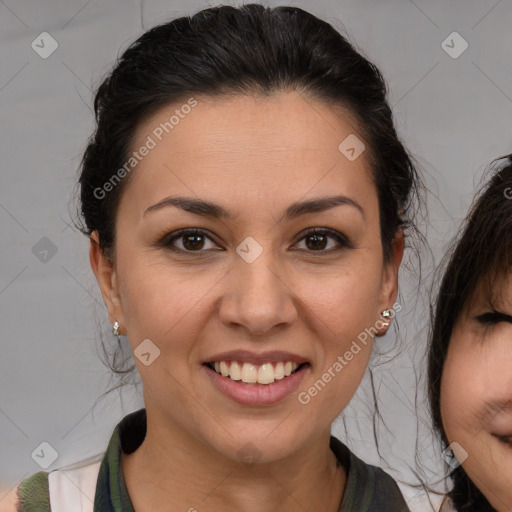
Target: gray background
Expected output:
[453,114]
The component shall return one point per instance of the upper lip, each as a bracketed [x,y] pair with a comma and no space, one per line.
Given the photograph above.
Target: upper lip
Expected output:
[247,356]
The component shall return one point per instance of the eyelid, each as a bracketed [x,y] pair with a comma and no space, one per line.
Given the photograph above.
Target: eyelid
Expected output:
[504,439]
[493,317]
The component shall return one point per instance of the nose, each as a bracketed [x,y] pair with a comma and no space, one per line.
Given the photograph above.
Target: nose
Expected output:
[257,297]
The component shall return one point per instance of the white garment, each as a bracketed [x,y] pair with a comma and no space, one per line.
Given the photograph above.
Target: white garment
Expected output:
[73,489]
[420,501]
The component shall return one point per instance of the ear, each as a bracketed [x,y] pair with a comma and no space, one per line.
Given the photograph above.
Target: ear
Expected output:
[106,275]
[389,289]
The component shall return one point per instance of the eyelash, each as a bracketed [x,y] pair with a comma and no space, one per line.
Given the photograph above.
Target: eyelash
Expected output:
[169,239]
[492,318]
[504,439]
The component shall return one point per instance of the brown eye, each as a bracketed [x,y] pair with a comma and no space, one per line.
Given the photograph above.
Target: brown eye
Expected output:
[196,240]
[317,240]
[190,240]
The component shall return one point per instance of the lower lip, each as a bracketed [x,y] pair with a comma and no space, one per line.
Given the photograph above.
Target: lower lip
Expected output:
[257,394]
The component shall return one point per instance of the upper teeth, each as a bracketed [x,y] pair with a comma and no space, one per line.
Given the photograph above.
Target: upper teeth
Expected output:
[251,373]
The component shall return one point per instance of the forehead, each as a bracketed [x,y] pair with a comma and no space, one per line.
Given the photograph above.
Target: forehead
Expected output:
[290,118]
[244,145]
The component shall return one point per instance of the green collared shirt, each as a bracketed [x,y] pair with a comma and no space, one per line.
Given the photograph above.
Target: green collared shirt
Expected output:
[368,488]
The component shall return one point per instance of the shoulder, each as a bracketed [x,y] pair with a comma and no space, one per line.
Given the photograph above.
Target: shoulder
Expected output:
[32,494]
[74,485]
[385,489]
[368,488]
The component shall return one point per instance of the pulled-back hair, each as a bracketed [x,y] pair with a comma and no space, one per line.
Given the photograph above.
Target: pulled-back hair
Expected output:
[252,50]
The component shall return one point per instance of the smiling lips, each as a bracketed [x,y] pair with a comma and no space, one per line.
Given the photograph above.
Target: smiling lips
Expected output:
[248,373]
[256,379]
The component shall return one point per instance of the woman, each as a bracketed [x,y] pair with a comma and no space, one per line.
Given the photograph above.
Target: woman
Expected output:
[245,195]
[470,354]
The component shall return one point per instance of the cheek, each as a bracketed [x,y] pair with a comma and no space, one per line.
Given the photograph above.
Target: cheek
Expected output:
[159,303]
[475,372]
[460,393]
[345,312]
[353,299]
[337,301]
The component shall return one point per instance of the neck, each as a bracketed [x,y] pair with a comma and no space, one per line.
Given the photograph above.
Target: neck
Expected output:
[168,468]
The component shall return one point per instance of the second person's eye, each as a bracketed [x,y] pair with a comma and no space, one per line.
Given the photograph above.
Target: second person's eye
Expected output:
[493,317]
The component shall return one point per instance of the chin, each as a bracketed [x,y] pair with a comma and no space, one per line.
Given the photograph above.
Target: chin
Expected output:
[252,447]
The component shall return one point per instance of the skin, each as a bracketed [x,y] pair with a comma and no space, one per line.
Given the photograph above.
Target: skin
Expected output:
[254,156]
[477,373]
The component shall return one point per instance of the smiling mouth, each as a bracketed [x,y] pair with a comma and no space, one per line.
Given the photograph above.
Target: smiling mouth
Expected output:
[248,373]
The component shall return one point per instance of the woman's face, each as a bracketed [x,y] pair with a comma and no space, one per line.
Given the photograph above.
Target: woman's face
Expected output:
[476,395]
[252,293]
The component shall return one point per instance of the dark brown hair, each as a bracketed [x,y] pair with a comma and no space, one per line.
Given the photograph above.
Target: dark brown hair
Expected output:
[480,256]
[250,49]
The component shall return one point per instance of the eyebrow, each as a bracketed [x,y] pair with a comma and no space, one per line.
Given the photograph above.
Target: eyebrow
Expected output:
[209,209]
